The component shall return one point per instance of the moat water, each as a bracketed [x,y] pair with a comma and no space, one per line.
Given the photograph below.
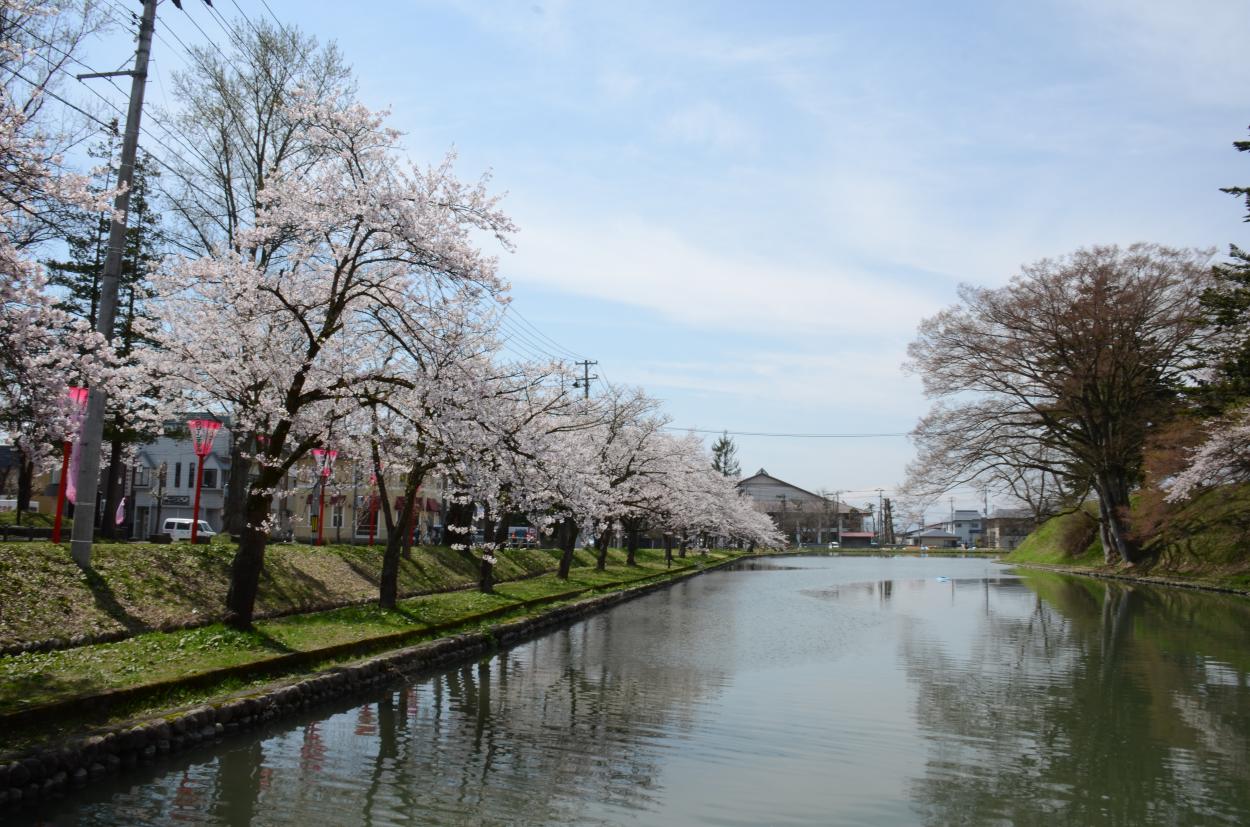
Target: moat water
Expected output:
[814,690]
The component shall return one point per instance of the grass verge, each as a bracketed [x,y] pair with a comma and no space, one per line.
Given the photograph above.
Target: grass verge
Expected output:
[133,588]
[159,670]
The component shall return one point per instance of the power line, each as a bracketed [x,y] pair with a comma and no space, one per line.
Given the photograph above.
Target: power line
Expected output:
[44,90]
[788,435]
[531,326]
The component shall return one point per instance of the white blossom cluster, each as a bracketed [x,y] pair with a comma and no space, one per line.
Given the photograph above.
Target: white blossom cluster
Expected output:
[359,312]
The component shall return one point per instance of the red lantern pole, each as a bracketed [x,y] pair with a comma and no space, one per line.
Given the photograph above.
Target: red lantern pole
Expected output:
[66,448]
[203,431]
[195,510]
[79,397]
[325,459]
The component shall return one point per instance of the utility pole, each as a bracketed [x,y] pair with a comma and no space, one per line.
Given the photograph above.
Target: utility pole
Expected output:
[584,382]
[837,516]
[93,425]
[880,515]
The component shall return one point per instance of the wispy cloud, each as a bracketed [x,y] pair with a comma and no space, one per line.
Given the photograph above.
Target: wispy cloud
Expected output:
[710,125]
[630,261]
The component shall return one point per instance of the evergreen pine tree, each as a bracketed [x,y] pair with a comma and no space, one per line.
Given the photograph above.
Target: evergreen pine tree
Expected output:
[77,279]
[1227,307]
[725,456]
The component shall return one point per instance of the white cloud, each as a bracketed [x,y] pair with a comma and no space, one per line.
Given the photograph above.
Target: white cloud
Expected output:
[627,260]
[709,124]
[1195,48]
[862,385]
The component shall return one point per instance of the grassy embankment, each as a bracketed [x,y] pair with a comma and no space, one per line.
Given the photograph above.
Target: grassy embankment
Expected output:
[1203,542]
[163,670]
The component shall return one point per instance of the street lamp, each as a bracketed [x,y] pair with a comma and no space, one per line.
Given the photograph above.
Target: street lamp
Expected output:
[203,432]
[78,398]
[325,466]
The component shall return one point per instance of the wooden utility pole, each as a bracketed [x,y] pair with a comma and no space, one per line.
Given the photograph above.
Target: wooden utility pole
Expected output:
[584,382]
[888,517]
[880,515]
[93,425]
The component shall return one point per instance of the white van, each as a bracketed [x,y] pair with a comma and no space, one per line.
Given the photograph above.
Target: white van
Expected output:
[179,528]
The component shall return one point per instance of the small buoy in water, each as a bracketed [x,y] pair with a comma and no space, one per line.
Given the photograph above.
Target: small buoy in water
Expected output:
[943,579]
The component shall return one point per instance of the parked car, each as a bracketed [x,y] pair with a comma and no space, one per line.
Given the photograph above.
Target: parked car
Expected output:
[179,528]
[834,545]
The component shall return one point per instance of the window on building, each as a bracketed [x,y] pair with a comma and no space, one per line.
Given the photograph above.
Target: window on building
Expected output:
[177,475]
[336,518]
[210,477]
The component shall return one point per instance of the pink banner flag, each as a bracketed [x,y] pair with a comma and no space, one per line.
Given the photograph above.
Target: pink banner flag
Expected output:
[120,516]
[71,481]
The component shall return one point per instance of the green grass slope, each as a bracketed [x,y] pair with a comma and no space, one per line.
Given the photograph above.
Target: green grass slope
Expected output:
[1205,540]
[140,587]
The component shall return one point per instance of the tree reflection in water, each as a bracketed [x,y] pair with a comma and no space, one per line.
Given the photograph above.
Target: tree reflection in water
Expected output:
[1109,704]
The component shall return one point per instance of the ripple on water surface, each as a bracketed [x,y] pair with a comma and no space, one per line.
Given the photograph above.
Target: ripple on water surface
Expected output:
[806,691]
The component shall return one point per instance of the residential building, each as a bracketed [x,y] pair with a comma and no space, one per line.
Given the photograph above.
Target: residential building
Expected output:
[933,538]
[1007,527]
[964,524]
[153,500]
[803,517]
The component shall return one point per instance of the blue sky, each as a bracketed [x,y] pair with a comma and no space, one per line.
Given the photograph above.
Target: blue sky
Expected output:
[747,207]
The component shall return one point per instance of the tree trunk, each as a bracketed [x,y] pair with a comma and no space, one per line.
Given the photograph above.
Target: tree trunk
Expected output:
[486,574]
[681,548]
[1113,504]
[112,492]
[388,582]
[501,530]
[25,486]
[458,525]
[601,549]
[233,511]
[249,560]
[668,550]
[631,542]
[567,538]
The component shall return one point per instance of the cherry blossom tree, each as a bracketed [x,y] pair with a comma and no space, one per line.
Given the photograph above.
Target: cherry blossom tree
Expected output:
[1223,459]
[42,349]
[285,341]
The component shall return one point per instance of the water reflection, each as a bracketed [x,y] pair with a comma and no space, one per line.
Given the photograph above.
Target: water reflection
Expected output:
[1097,707]
[830,690]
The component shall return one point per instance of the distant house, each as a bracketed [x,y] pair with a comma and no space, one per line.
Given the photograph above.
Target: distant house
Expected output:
[805,518]
[934,538]
[1007,527]
[966,524]
[177,496]
[353,511]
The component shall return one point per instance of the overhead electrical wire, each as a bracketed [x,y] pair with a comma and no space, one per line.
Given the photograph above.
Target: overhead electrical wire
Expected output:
[788,435]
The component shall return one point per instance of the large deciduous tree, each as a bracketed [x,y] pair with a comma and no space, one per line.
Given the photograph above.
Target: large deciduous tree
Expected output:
[285,341]
[234,108]
[1065,369]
